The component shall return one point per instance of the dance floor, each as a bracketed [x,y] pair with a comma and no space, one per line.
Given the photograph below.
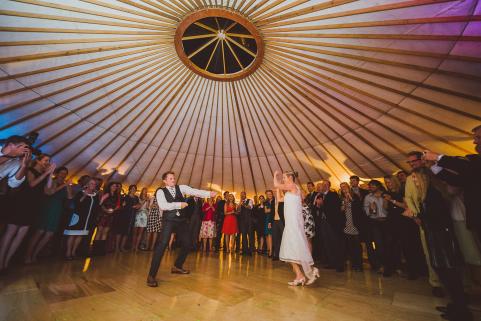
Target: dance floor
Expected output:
[221,287]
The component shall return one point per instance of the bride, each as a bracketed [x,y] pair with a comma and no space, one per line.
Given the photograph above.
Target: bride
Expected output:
[294,245]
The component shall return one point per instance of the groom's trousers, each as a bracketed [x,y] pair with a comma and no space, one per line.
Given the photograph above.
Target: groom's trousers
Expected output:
[181,228]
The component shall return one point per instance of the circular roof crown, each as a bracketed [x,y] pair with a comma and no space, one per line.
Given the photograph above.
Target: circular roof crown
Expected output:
[219,44]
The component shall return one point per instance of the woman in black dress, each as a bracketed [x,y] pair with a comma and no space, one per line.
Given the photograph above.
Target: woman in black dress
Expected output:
[352,209]
[124,220]
[406,240]
[57,191]
[110,205]
[23,206]
[82,220]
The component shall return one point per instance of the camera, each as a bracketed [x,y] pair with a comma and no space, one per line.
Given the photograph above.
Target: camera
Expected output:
[32,138]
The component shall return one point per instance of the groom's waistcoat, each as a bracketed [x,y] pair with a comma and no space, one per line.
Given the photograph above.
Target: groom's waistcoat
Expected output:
[173,215]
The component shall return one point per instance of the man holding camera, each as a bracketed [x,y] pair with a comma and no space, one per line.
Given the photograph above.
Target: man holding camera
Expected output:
[15,154]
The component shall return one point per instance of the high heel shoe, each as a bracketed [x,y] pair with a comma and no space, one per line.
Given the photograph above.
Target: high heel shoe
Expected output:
[297,282]
[314,277]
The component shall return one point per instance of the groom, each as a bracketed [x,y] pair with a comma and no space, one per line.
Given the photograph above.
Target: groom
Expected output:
[171,201]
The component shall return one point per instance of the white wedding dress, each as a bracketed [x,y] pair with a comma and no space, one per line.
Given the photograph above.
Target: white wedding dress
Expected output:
[294,246]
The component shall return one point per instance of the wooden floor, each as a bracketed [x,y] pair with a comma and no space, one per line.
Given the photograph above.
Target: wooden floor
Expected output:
[221,287]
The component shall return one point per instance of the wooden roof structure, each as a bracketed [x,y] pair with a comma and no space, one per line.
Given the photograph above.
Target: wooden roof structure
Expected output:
[340,87]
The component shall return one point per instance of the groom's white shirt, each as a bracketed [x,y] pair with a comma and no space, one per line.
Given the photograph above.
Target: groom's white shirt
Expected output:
[185,190]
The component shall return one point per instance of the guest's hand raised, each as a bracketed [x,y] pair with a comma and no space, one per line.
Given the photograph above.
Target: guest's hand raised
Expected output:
[430,156]
[51,168]
[27,156]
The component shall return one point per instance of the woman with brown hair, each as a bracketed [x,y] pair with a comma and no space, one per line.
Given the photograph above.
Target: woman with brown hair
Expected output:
[23,207]
[110,205]
[207,229]
[230,229]
[86,203]
[154,223]
[58,190]
[355,219]
[140,219]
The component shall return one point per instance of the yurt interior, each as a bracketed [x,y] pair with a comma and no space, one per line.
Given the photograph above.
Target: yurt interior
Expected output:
[213,160]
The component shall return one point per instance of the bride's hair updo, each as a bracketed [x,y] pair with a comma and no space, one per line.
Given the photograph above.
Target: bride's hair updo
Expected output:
[292,174]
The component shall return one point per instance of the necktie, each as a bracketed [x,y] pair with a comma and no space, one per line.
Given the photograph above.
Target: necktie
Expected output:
[172,191]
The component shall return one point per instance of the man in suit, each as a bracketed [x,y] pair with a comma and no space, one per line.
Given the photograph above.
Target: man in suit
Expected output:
[277,224]
[360,192]
[309,199]
[246,224]
[195,214]
[219,222]
[172,202]
[332,223]
[464,172]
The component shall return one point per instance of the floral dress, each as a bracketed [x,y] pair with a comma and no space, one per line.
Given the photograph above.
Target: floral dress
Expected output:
[207,229]
[142,213]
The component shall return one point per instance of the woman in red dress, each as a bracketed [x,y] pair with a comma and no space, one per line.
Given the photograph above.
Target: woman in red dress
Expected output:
[230,221]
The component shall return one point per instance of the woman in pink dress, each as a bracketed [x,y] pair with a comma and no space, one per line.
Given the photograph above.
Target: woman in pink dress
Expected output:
[230,221]
[207,229]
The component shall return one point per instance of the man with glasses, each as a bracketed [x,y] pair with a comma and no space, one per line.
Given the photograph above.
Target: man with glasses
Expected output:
[416,160]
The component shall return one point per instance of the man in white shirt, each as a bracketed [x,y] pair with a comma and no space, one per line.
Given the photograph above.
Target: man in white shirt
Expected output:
[375,207]
[15,155]
[171,201]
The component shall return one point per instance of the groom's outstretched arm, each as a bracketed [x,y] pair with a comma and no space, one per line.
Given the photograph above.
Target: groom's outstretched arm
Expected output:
[195,192]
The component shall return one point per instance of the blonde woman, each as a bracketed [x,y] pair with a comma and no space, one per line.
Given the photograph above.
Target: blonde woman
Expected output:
[294,245]
[140,219]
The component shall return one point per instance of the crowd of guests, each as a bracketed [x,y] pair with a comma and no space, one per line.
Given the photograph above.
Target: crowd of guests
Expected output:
[426,222]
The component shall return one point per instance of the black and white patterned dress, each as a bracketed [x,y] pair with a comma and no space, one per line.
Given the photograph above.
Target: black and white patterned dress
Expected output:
[154,220]
[350,228]
[309,225]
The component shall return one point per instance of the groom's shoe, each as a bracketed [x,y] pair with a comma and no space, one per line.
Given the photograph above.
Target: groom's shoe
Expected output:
[152,282]
[176,270]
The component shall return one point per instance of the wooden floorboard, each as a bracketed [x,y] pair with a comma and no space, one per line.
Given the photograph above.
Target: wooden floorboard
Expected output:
[221,287]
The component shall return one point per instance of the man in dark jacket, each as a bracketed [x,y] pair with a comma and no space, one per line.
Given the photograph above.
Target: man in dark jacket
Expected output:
[219,221]
[464,172]
[195,219]
[332,223]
